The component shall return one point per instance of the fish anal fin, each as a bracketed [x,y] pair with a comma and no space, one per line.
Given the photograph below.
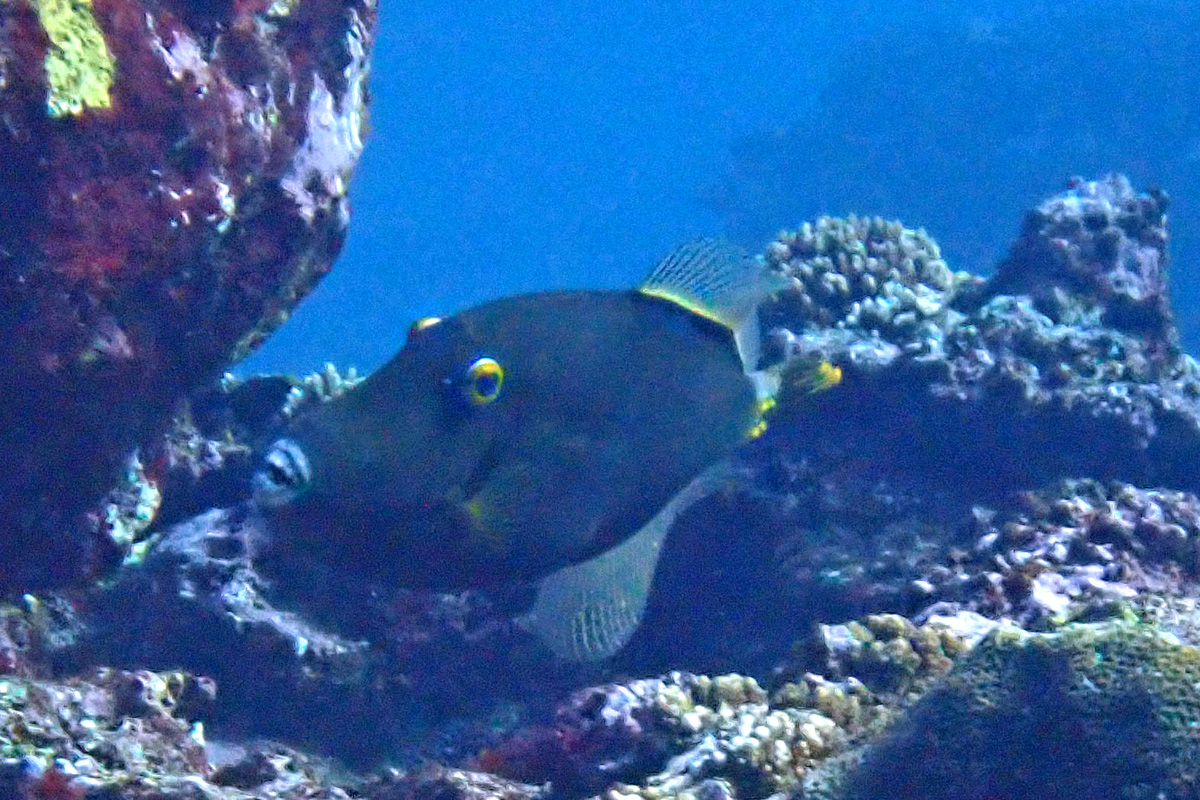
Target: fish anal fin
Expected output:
[589,611]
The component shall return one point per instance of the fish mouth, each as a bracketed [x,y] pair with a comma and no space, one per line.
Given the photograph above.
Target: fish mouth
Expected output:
[283,476]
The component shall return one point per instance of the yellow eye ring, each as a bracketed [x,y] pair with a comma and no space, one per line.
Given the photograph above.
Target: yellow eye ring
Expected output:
[421,324]
[485,376]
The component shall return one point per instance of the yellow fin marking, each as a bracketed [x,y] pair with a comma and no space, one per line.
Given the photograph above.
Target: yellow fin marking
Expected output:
[712,279]
[689,304]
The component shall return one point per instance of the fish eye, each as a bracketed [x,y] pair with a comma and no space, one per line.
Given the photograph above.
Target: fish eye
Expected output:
[421,324]
[484,378]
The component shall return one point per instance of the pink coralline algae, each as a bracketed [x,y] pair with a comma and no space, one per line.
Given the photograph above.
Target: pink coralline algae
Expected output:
[175,181]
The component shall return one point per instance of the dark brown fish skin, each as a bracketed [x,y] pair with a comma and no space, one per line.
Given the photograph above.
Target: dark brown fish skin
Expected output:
[612,402]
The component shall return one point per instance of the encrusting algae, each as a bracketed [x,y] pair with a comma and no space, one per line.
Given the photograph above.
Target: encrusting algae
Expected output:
[79,66]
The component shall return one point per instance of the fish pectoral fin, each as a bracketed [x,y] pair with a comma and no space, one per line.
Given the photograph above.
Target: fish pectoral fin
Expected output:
[497,504]
[589,611]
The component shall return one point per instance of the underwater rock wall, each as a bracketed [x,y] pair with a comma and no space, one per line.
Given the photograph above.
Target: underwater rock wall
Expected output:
[174,182]
[988,530]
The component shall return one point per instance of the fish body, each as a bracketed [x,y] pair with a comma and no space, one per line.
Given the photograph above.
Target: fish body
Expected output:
[528,439]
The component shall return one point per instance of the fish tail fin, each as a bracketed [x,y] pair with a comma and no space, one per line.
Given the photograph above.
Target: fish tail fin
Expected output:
[589,611]
[718,281]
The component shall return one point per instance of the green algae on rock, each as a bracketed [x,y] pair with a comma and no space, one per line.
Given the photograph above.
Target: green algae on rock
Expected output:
[79,67]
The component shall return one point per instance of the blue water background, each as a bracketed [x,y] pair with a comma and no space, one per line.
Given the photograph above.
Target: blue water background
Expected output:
[528,145]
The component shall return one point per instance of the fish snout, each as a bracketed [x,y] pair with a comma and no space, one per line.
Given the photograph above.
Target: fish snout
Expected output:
[284,475]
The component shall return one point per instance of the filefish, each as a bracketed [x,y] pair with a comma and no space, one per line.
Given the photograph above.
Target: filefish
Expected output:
[548,437]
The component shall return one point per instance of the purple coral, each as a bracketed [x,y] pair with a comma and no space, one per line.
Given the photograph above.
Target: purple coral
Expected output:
[600,735]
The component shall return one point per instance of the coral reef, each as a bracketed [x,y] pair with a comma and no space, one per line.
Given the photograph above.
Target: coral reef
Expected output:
[987,377]
[31,634]
[333,650]
[690,736]
[135,735]
[1040,557]
[40,718]
[455,784]
[890,654]
[1096,254]
[1103,710]
[864,273]
[985,450]
[1010,451]
[175,181]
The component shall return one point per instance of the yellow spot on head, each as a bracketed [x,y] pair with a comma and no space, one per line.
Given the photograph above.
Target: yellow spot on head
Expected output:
[79,67]
[421,324]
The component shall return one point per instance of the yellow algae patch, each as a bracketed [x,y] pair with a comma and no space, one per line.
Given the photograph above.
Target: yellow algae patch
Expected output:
[79,68]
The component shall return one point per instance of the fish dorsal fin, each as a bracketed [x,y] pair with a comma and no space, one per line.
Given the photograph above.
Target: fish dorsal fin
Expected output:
[588,611]
[718,281]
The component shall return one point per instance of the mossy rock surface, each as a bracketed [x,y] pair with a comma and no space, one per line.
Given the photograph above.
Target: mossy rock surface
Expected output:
[1097,711]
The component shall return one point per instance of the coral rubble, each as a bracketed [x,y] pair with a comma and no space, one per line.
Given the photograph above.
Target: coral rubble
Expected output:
[136,735]
[175,180]
[692,736]
[456,784]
